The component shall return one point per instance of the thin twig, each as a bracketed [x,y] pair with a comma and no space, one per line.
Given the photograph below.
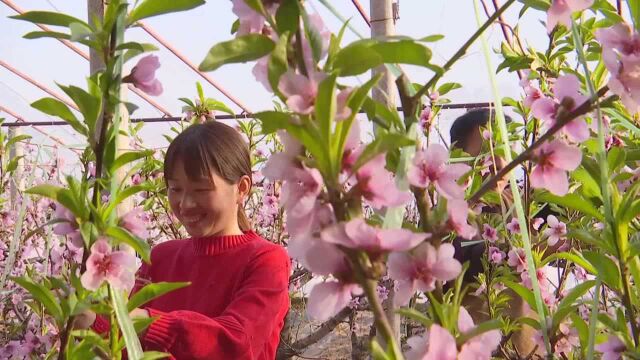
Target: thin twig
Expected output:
[562,120]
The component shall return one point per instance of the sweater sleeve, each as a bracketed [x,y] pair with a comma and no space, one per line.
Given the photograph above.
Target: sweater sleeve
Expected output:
[257,309]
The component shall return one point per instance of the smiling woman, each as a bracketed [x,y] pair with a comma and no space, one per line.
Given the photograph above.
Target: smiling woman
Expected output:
[238,297]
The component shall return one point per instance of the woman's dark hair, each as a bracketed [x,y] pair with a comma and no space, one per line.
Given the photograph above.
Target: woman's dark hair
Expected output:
[211,147]
[465,125]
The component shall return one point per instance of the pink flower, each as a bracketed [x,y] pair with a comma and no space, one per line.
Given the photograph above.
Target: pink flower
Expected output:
[299,194]
[357,234]
[250,20]
[437,344]
[517,259]
[319,257]
[328,298]
[430,167]
[458,211]
[612,349]
[533,94]
[537,222]
[554,159]
[541,276]
[420,269]
[569,341]
[478,347]
[567,95]
[343,111]
[261,72]
[301,91]
[426,117]
[352,147]
[561,10]
[556,230]
[489,233]
[7,218]
[136,179]
[513,226]
[143,75]
[377,185]
[135,221]
[91,168]
[621,55]
[69,227]
[320,216]
[279,166]
[495,255]
[117,268]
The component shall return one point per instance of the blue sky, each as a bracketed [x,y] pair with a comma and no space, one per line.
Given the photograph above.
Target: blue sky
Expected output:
[194,32]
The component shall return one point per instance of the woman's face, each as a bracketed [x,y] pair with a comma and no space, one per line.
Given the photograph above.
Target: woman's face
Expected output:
[473,145]
[205,206]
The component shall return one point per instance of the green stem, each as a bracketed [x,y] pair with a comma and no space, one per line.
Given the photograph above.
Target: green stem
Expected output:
[463,49]
[531,266]
[593,319]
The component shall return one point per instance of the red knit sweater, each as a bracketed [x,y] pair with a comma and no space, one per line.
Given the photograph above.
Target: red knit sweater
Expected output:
[234,307]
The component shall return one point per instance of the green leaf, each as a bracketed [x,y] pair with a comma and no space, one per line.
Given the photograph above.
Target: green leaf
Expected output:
[55,107]
[79,31]
[149,8]
[46,34]
[49,191]
[135,51]
[432,38]
[326,107]
[377,352]
[16,139]
[572,201]
[447,87]
[134,350]
[415,315]
[216,105]
[523,292]
[43,295]
[152,291]
[583,330]
[128,157]
[287,16]
[152,355]
[634,9]
[49,18]
[403,52]
[142,47]
[313,36]
[278,62]
[89,105]
[272,121]
[565,307]
[13,164]
[356,58]
[615,158]
[124,236]
[123,195]
[382,144]
[575,258]
[239,50]
[607,269]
